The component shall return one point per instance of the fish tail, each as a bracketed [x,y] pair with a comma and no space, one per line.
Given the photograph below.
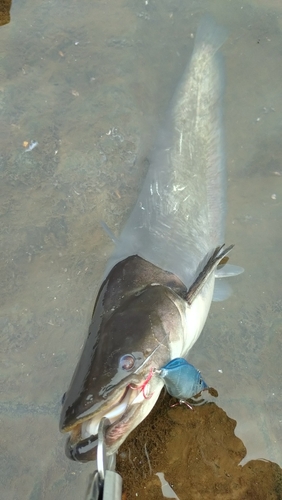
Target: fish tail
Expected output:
[211,34]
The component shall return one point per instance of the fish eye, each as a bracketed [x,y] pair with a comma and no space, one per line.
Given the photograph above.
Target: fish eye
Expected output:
[127,362]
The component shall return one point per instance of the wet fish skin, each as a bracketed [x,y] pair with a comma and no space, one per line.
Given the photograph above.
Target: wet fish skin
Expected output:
[165,250]
[128,303]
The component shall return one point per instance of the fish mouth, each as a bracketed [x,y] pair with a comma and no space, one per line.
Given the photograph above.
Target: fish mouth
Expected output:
[121,412]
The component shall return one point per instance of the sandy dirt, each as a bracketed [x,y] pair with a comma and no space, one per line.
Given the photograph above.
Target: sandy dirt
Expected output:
[199,455]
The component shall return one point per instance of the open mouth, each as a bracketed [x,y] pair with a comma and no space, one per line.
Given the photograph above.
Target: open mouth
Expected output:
[114,414]
[82,442]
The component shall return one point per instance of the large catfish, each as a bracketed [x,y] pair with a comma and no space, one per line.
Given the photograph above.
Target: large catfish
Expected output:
[159,282]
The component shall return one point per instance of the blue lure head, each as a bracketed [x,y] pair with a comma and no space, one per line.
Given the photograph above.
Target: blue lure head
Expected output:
[182,380]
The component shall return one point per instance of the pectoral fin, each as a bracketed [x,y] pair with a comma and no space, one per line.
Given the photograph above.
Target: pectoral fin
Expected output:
[212,263]
[222,289]
[228,270]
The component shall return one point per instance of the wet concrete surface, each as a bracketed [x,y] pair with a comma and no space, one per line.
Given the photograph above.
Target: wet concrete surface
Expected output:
[91,85]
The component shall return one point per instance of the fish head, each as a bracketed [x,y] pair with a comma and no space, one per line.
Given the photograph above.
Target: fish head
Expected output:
[130,336]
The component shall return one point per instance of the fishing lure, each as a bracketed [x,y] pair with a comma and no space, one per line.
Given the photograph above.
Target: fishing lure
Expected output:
[182,380]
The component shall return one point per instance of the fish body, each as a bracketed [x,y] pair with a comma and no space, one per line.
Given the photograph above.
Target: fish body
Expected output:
[159,282]
[179,217]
